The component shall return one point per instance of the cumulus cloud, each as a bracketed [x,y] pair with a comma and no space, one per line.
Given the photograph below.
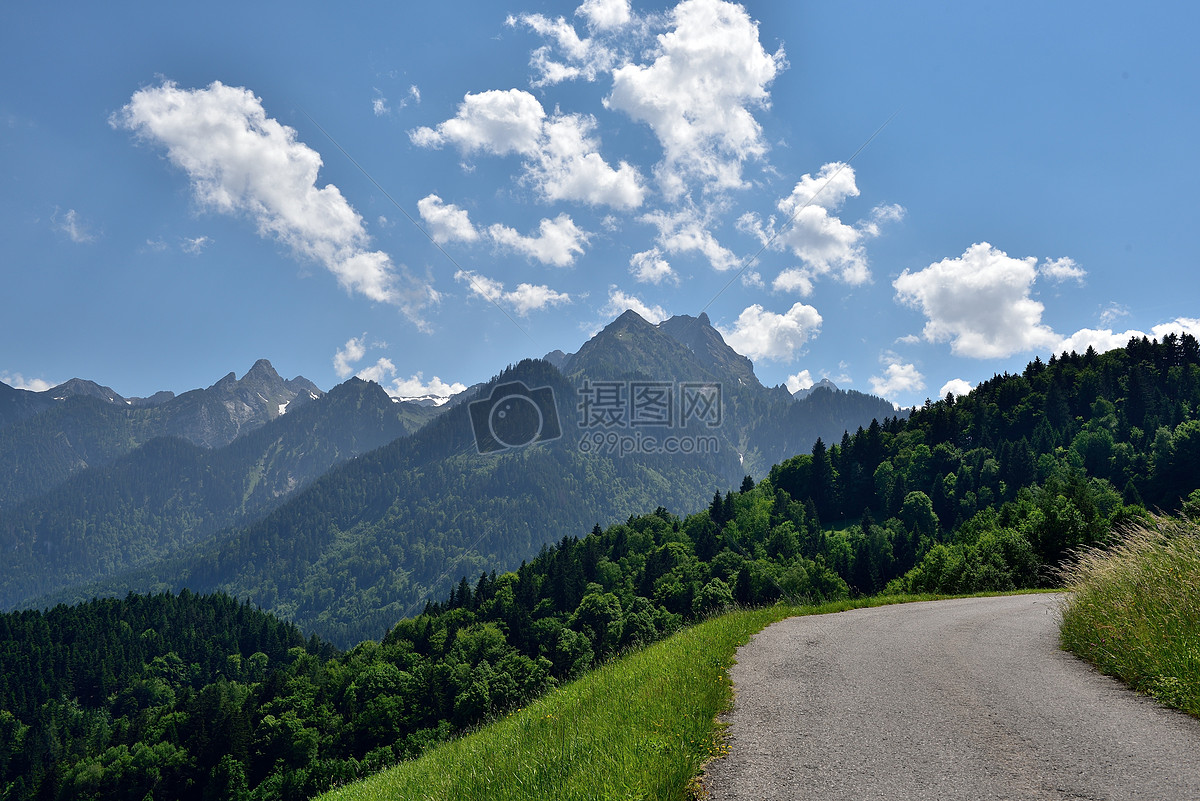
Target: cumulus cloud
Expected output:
[708,73]
[569,56]
[446,222]
[1106,339]
[557,241]
[524,299]
[379,106]
[811,230]
[956,387]
[1064,269]
[897,379]
[1180,325]
[649,267]
[416,387]
[349,355]
[760,334]
[377,372]
[497,122]
[18,381]
[980,302]
[242,162]
[799,381]
[1100,339]
[619,302]
[568,167]
[562,161]
[686,231]
[73,226]
[605,15]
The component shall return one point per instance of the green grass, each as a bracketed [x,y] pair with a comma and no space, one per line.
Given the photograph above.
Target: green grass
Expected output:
[639,727]
[1135,611]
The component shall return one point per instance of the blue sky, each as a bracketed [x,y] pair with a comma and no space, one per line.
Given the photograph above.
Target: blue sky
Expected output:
[904,198]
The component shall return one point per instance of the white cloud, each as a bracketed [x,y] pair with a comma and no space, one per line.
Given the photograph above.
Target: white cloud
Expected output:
[18,381]
[447,222]
[557,241]
[956,387]
[908,339]
[348,355]
[195,245]
[897,379]
[1114,312]
[1064,269]
[240,161]
[799,381]
[685,231]
[414,93]
[619,302]
[1101,340]
[1180,325]
[416,387]
[73,226]
[562,161]
[524,299]
[1106,339]
[697,94]
[794,279]
[581,58]
[497,122]
[379,106]
[819,238]
[760,334]
[378,372]
[649,267]
[569,168]
[605,15]
[979,302]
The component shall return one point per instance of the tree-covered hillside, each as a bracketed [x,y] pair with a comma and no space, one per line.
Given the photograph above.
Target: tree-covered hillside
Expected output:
[985,492]
[372,540]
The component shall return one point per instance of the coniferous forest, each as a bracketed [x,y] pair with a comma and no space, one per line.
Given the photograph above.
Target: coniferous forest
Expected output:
[203,696]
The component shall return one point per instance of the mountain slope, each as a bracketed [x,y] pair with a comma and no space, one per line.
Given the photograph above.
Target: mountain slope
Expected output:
[365,544]
[170,493]
[48,436]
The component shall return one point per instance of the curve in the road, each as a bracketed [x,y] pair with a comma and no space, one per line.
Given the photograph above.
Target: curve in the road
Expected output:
[963,699]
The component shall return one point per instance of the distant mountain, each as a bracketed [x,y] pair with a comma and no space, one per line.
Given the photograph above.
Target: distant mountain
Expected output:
[169,493]
[47,436]
[366,543]
[824,383]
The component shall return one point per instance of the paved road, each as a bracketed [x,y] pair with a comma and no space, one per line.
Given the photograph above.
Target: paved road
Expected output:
[968,699]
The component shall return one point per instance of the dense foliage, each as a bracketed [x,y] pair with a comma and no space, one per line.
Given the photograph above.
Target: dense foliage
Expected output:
[132,698]
[982,492]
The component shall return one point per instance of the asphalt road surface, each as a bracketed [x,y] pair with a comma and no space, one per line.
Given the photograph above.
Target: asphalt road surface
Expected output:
[967,699]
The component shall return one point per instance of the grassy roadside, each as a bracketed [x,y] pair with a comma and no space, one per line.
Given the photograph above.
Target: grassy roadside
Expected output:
[1135,611]
[639,727]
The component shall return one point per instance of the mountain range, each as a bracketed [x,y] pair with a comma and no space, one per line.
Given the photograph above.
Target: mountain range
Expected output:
[318,507]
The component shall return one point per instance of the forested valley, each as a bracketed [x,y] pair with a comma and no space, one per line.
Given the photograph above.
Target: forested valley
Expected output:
[205,697]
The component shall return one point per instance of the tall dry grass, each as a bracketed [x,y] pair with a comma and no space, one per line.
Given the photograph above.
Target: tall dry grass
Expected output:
[1134,610]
